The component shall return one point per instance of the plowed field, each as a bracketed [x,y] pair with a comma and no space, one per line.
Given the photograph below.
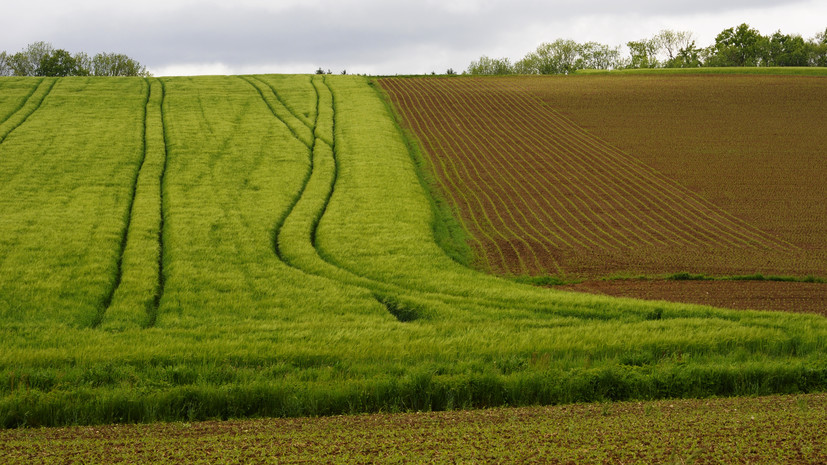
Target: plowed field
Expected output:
[754,430]
[594,176]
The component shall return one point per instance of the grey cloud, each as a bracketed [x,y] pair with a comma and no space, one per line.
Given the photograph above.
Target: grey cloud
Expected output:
[339,33]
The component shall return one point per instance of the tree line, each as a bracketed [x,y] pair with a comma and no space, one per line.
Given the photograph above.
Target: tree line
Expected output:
[736,46]
[42,59]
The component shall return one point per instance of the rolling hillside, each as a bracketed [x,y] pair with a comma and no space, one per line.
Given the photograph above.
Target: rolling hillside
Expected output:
[244,246]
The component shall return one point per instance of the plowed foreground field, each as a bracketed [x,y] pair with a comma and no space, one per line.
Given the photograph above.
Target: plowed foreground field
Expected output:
[760,430]
[596,176]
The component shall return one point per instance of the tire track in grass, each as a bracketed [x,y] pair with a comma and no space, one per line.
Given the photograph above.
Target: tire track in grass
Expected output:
[26,110]
[22,102]
[279,223]
[298,116]
[107,299]
[139,279]
[152,317]
[300,131]
[298,236]
[295,235]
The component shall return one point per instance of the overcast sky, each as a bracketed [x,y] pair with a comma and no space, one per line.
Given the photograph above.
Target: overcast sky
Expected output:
[177,37]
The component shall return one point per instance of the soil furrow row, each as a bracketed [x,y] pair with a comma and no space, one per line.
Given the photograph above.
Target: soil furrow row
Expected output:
[553,177]
[492,197]
[698,203]
[632,193]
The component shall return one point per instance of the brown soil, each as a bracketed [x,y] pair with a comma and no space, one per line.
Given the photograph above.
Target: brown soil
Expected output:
[746,295]
[593,176]
[540,195]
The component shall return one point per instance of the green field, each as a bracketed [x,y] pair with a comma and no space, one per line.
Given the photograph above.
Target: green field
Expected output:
[226,247]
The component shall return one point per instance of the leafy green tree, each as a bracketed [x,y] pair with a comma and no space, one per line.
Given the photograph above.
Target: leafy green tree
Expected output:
[687,57]
[27,61]
[117,64]
[57,63]
[84,64]
[559,57]
[644,53]
[739,46]
[817,49]
[594,55]
[786,50]
[490,66]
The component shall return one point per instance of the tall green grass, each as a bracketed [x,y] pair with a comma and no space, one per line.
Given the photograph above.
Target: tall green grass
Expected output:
[280,259]
[65,188]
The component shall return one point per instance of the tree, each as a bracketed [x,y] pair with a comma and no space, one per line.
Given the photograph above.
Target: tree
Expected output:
[672,42]
[42,59]
[741,46]
[594,55]
[786,50]
[117,64]
[490,66]
[644,53]
[84,64]
[687,57]
[5,68]
[57,63]
[558,57]
[26,62]
[818,49]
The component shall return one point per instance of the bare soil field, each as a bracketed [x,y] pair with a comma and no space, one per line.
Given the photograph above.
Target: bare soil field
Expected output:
[746,295]
[593,176]
[760,430]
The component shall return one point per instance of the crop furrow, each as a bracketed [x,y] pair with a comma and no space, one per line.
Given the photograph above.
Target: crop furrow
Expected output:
[573,157]
[695,205]
[635,188]
[26,110]
[471,145]
[537,178]
[489,195]
[699,203]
